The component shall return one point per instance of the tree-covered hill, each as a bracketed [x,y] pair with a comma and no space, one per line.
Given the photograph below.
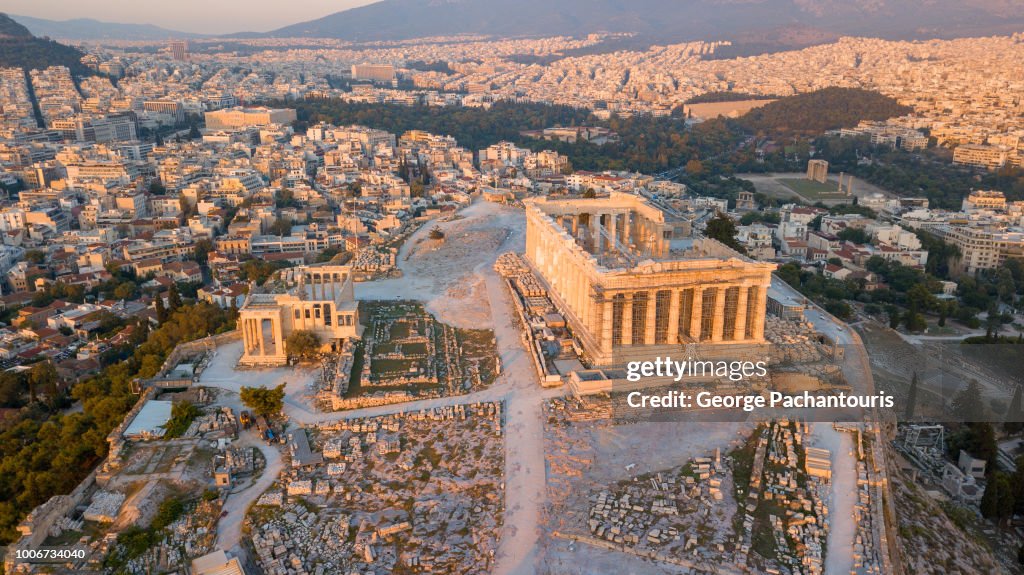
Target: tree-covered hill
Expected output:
[813,113]
[20,49]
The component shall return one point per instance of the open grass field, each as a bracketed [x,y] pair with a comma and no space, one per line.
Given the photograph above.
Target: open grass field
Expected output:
[811,190]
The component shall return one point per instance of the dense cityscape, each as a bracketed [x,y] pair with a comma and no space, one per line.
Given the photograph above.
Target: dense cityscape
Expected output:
[290,305]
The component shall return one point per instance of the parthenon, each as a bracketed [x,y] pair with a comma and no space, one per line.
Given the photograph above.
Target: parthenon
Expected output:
[319,299]
[626,286]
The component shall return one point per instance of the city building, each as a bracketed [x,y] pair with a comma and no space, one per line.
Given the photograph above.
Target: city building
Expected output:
[989,157]
[981,249]
[373,72]
[233,118]
[179,50]
[629,290]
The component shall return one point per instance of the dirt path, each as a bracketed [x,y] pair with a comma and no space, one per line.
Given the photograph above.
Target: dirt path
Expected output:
[229,528]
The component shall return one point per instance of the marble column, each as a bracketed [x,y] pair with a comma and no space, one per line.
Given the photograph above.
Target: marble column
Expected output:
[696,313]
[247,334]
[607,327]
[589,318]
[260,336]
[278,335]
[672,336]
[651,321]
[740,331]
[254,334]
[759,311]
[719,321]
[612,225]
[627,320]
[577,292]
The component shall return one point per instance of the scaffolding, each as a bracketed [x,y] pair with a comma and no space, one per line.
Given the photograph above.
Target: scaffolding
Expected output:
[752,295]
[708,299]
[685,313]
[618,311]
[663,301]
[732,304]
[640,303]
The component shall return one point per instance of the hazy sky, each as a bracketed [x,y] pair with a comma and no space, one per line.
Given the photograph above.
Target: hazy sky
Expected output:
[202,16]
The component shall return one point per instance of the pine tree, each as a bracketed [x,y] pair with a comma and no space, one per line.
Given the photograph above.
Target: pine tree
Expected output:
[894,317]
[908,413]
[161,311]
[1014,421]
[989,505]
[174,298]
[998,501]
[967,403]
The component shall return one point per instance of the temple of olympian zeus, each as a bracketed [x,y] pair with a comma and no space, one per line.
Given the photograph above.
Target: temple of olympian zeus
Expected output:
[630,291]
[320,299]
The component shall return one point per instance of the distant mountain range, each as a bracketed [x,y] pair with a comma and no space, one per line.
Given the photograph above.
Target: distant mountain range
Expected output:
[20,49]
[89,29]
[758,23]
[669,20]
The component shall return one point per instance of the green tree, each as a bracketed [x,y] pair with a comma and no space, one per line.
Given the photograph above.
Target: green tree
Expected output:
[908,411]
[722,228]
[285,198]
[262,400]
[993,322]
[202,251]
[12,389]
[161,311]
[173,298]
[998,501]
[303,344]
[42,378]
[1014,421]
[967,405]
[126,291]
[35,257]
[281,227]
[922,298]
[894,316]
[168,512]
[855,235]
[182,414]
[914,321]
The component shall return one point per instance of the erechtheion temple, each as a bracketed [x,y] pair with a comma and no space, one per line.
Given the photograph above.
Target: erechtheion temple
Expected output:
[319,299]
[631,290]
